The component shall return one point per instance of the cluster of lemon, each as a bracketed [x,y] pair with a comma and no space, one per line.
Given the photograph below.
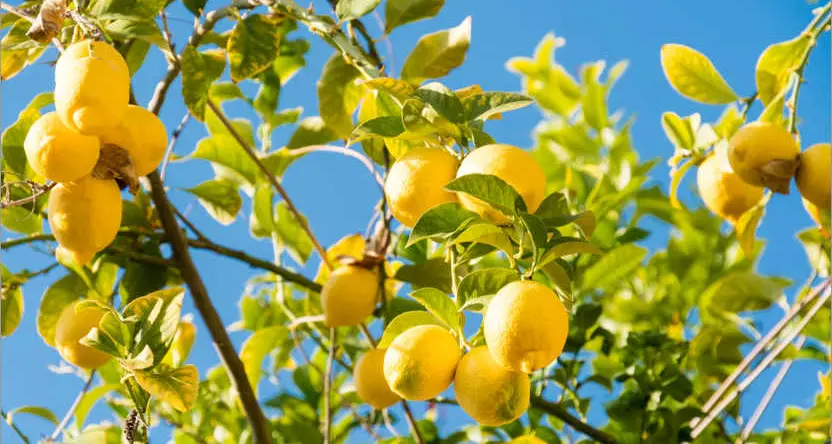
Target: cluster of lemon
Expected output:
[763,155]
[92,128]
[525,325]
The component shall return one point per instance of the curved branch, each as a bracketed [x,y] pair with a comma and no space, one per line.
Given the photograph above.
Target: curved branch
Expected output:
[564,415]
[345,151]
[72,407]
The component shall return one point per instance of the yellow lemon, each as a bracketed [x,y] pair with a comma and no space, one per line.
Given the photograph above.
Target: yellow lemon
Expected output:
[723,192]
[58,153]
[143,135]
[416,183]
[349,295]
[369,380]
[527,440]
[85,215]
[71,327]
[764,155]
[511,164]
[525,326]
[92,87]
[420,363]
[488,392]
[813,176]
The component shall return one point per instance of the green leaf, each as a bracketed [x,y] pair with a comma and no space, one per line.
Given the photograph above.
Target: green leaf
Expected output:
[440,304]
[404,322]
[434,273]
[144,29]
[14,60]
[196,82]
[613,267]
[484,282]
[440,221]
[311,131]
[222,91]
[124,8]
[58,296]
[11,308]
[594,98]
[694,76]
[565,246]
[223,150]
[353,9]
[257,347]
[773,112]
[490,189]
[747,227]
[14,156]
[20,219]
[89,399]
[156,318]
[338,95]
[817,250]
[41,412]
[399,89]
[741,291]
[291,234]
[437,54]
[678,131]
[220,198]
[729,122]
[385,126]
[441,99]
[478,304]
[262,222]
[195,6]
[777,63]
[252,46]
[136,54]
[141,279]
[480,107]
[401,12]
[105,277]
[554,210]
[481,138]
[113,336]
[178,387]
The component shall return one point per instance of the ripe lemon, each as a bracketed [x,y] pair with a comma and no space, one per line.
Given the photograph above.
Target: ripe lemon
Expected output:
[723,192]
[58,153]
[764,155]
[349,295]
[487,391]
[813,176]
[527,440]
[92,87]
[525,326]
[143,135]
[85,215]
[416,183]
[369,380]
[516,167]
[821,217]
[420,363]
[71,327]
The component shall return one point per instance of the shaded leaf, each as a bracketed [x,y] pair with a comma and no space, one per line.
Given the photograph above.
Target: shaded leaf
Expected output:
[490,189]
[178,387]
[434,273]
[252,46]
[89,399]
[385,126]
[437,54]
[34,410]
[741,291]
[196,83]
[401,12]
[220,198]
[440,221]
[291,234]
[311,131]
[441,99]
[11,308]
[484,282]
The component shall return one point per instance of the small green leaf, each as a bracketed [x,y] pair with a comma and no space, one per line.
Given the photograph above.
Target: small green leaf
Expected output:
[777,63]
[291,234]
[262,222]
[56,298]
[694,76]
[386,126]
[14,156]
[490,189]
[353,9]
[89,399]
[220,198]
[729,122]
[178,387]
[34,410]
[338,95]
[613,266]
[434,273]
[252,46]
[223,91]
[678,131]
[440,304]
[817,250]
[401,12]
[484,282]
[441,99]
[136,54]
[311,131]
[404,322]
[437,54]
[440,221]
[747,227]
[196,83]
[257,347]
[480,107]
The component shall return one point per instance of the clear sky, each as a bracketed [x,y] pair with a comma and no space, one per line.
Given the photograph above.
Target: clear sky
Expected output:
[337,195]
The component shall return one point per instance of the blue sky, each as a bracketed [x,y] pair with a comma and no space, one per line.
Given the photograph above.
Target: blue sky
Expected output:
[337,195]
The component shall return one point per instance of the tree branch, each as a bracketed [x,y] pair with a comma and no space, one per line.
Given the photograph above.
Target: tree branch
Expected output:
[38,190]
[14,427]
[328,389]
[72,408]
[564,415]
[345,151]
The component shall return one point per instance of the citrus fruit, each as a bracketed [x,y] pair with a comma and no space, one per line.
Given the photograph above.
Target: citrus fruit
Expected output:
[73,325]
[92,87]
[511,164]
[58,153]
[420,363]
[144,137]
[723,192]
[765,155]
[813,176]
[527,440]
[85,215]
[525,326]
[488,392]
[416,183]
[369,379]
[349,295]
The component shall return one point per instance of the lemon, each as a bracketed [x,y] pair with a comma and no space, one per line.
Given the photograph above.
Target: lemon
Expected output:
[511,164]
[92,87]
[369,380]
[488,392]
[79,257]
[143,135]
[723,192]
[71,327]
[416,183]
[765,155]
[527,440]
[420,363]
[525,326]
[813,176]
[349,295]
[58,153]
[85,215]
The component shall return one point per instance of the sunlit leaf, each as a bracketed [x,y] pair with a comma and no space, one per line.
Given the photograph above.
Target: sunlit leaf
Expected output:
[252,46]
[776,64]
[404,322]
[440,304]
[401,12]
[694,76]
[178,387]
[220,198]
[437,54]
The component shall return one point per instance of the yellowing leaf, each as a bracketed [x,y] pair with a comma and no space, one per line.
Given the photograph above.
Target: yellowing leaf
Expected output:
[178,387]
[694,76]
[775,65]
[252,46]
[338,95]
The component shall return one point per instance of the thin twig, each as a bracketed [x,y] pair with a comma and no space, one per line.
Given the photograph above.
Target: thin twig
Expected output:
[72,408]
[411,421]
[190,225]
[31,19]
[564,415]
[345,151]
[174,137]
[37,191]
[14,427]
[273,180]
[328,389]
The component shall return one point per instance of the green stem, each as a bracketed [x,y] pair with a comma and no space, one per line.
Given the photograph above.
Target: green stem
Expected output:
[816,26]
[14,427]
